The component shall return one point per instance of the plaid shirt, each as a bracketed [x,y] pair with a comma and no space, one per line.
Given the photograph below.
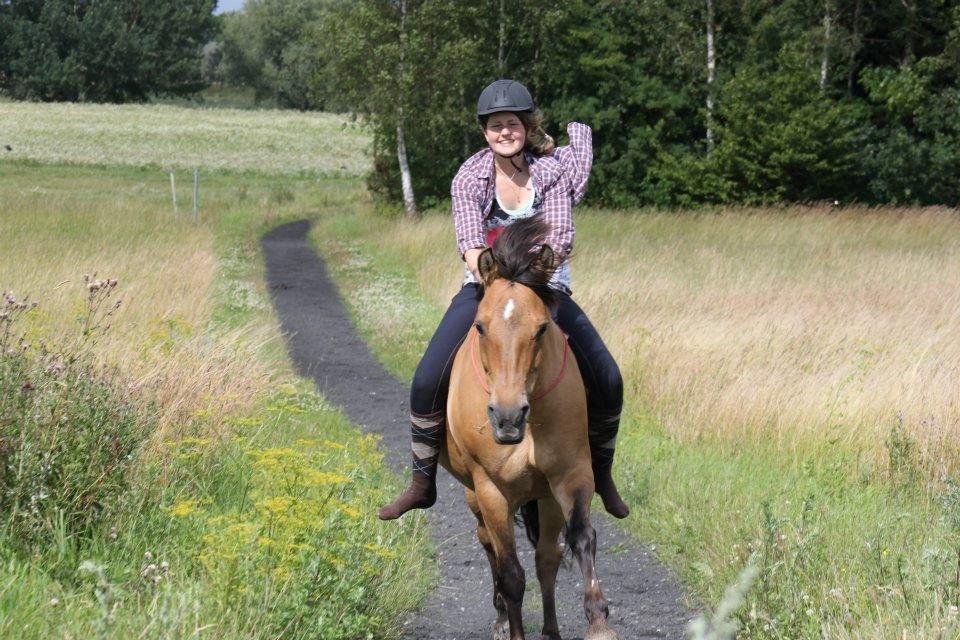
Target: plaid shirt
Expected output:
[560,177]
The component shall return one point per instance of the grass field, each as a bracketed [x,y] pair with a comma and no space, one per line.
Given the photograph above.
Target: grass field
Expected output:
[169,475]
[791,392]
[791,395]
[260,141]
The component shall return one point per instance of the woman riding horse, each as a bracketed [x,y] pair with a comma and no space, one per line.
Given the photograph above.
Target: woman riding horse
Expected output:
[520,175]
[517,433]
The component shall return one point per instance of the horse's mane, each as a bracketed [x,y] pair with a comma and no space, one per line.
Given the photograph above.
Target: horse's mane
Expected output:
[518,257]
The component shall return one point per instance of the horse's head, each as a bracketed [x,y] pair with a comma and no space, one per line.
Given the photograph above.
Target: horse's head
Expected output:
[512,320]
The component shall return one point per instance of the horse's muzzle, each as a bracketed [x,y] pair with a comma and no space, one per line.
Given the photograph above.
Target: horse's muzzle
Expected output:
[508,425]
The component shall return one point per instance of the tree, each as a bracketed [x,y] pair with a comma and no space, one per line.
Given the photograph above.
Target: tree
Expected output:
[108,51]
[270,46]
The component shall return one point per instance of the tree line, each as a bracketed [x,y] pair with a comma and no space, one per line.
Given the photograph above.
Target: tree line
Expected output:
[691,101]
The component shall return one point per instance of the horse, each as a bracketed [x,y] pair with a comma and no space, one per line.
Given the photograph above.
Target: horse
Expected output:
[517,433]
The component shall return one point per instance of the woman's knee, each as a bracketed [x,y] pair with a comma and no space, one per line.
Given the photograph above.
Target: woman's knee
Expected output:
[608,383]
[423,389]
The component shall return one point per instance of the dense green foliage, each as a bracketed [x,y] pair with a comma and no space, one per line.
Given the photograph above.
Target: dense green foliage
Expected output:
[272,48]
[102,51]
[814,100]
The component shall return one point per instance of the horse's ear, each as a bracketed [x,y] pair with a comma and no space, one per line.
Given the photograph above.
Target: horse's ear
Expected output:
[487,267]
[547,257]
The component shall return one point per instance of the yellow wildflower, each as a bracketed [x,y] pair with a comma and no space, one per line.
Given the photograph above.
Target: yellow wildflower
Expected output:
[319,478]
[276,504]
[183,509]
[351,512]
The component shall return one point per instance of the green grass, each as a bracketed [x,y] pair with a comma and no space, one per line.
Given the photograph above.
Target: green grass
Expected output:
[848,545]
[254,499]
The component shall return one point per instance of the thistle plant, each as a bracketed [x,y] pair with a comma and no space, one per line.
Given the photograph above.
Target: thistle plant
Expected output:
[10,310]
[67,436]
[99,309]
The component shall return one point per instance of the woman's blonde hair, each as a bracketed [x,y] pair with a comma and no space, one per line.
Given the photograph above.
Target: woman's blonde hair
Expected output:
[538,140]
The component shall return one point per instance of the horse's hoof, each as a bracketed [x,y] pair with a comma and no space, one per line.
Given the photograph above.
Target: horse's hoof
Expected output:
[550,636]
[501,631]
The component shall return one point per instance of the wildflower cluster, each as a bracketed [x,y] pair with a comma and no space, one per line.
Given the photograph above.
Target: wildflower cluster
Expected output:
[299,496]
[305,534]
[66,441]
[10,309]
[151,573]
[99,308]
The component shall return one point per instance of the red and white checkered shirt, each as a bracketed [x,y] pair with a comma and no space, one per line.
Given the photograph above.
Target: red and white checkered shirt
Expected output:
[559,177]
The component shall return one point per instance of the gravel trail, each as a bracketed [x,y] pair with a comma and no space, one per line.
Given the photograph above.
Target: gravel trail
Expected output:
[645,599]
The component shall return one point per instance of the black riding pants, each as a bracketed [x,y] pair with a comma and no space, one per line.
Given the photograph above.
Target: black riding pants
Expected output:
[601,375]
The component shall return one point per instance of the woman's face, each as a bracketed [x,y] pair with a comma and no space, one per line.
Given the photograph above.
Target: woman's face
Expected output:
[505,133]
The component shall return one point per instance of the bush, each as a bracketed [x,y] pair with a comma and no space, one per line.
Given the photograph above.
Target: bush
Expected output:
[68,435]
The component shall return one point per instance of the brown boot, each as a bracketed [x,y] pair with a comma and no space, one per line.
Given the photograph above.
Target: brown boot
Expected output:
[421,494]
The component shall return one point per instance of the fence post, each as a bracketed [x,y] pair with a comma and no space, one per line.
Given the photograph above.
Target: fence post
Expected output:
[196,195]
[173,194]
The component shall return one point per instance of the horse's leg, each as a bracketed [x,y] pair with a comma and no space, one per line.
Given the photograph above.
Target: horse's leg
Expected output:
[548,561]
[574,492]
[501,628]
[509,576]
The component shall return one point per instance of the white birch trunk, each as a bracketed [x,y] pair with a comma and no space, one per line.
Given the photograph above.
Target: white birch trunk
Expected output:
[825,56]
[711,70]
[406,182]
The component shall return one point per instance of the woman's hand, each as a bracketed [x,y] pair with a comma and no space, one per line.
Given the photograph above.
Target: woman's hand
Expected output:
[471,256]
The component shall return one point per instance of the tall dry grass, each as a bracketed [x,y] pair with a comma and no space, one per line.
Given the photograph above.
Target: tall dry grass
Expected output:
[801,327]
[159,337]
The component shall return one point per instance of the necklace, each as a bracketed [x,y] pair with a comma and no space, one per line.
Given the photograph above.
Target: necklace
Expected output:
[516,170]
[511,176]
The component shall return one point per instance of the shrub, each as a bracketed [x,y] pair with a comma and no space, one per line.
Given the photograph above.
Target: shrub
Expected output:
[68,434]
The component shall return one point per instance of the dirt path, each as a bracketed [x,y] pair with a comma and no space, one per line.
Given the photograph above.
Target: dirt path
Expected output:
[324,345]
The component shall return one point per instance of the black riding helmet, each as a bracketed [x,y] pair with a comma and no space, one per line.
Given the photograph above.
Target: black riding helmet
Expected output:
[504,95]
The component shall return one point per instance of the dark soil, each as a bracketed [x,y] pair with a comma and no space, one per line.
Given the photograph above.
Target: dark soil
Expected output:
[645,599]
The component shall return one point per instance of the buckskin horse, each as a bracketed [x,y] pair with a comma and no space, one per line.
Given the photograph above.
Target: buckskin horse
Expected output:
[517,433]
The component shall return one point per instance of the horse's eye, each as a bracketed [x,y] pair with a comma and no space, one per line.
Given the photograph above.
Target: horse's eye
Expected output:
[479,327]
[542,330]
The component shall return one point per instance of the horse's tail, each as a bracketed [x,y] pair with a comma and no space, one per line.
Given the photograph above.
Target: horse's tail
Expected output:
[530,515]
